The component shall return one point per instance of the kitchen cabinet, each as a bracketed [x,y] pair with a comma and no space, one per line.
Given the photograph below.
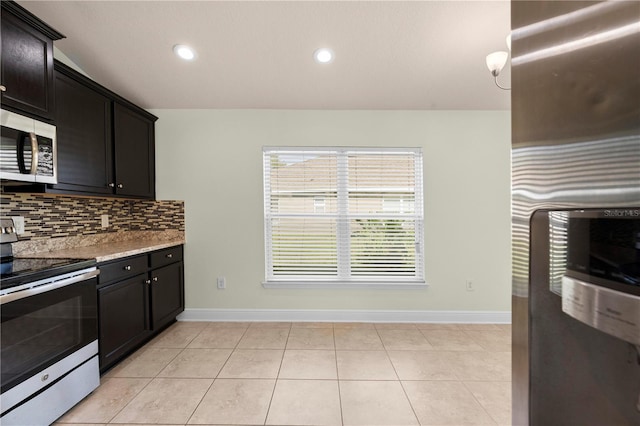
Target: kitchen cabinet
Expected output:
[123,317]
[167,287]
[83,125]
[27,63]
[137,297]
[105,144]
[134,149]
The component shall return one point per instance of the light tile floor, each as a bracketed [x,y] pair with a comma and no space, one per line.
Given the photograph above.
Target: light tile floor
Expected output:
[309,374]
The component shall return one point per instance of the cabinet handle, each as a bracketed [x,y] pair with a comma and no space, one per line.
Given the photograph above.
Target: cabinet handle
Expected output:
[3,89]
[120,186]
[127,268]
[155,279]
[169,256]
[147,281]
[112,185]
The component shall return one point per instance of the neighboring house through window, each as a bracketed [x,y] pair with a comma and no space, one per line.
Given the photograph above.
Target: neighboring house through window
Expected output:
[336,216]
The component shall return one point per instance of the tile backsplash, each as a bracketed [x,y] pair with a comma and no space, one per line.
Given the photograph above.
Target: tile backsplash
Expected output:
[51,216]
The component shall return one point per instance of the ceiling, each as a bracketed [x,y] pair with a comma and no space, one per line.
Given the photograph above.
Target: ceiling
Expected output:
[259,54]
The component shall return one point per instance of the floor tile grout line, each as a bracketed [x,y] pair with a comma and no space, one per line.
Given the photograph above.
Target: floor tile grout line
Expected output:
[151,379]
[413,410]
[217,374]
[275,383]
[134,397]
[335,354]
[465,332]
[200,401]
[410,403]
[479,403]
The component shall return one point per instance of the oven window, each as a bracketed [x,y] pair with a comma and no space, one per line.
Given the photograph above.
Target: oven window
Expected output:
[38,331]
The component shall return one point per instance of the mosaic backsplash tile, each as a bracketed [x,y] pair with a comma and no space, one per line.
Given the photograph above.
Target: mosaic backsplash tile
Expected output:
[52,216]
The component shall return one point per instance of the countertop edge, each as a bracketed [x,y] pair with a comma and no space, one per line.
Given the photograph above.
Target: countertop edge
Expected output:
[136,251]
[107,251]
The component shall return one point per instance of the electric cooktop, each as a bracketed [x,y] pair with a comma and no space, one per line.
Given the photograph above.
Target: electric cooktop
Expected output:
[19,271]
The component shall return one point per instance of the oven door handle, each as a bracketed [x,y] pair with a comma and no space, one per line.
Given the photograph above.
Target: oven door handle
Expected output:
[47,287]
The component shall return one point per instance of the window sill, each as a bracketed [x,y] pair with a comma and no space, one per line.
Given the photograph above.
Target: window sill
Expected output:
[385,285]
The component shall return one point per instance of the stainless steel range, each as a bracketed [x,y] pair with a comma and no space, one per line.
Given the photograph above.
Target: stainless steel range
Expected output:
[49,339]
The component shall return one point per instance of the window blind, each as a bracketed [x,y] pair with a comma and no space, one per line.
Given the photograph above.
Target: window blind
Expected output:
[343,215]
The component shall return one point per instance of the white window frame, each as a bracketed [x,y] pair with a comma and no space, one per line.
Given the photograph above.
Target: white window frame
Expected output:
[343,278]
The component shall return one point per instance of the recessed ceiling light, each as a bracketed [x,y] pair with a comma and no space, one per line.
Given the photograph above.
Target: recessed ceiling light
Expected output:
[323,55]
[184,51]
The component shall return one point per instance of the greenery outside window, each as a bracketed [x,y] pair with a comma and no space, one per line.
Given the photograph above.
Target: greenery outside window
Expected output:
[343,216]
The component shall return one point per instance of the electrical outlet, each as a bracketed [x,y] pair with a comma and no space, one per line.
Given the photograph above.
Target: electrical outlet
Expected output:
[222,283]
[18,223]
[104,221]
[470,286]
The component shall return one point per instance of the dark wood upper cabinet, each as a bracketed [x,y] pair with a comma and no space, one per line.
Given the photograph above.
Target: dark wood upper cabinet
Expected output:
[133,138]
[27,62]
[83,124]
[105,143]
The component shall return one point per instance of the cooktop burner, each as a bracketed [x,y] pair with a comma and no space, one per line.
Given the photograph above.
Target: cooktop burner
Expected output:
[18,271]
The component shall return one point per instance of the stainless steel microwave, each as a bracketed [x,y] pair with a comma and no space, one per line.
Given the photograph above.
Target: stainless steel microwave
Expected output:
[27,149]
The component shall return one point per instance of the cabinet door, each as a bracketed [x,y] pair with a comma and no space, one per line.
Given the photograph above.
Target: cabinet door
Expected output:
[124,317]
[134,153]
[167,294]
[27,68]
[83,123]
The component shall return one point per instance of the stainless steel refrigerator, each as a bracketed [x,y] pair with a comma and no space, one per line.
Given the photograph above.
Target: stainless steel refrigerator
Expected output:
[576,212]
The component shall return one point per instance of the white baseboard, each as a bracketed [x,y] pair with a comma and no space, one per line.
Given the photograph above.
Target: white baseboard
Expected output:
[303,315]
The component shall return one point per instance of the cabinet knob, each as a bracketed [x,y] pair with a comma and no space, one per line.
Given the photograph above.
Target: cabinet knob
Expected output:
[3,89]
[155,279]
[112,185]
[127,268]
[147,281]
[169,256]
[120,186]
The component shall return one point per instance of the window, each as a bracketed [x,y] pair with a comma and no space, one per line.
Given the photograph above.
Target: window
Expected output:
[336,216]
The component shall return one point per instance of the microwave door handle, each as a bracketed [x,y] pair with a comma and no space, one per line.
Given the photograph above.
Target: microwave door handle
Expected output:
[34,153]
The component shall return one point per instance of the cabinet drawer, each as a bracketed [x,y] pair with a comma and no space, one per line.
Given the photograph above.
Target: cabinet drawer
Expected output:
[166,256]
[123,268]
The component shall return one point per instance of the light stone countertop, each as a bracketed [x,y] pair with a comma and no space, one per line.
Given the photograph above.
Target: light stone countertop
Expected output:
[103,249]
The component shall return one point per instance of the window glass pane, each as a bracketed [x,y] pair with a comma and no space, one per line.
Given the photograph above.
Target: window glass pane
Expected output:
[304,246]
[376,179]
[297,180]
[383,247]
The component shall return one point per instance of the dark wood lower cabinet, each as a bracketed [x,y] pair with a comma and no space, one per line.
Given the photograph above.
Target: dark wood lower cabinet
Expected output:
[124,318]
[166,294]
[138,296]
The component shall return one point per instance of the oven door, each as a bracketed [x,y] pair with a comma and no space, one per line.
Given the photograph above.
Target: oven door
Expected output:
[45,324]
